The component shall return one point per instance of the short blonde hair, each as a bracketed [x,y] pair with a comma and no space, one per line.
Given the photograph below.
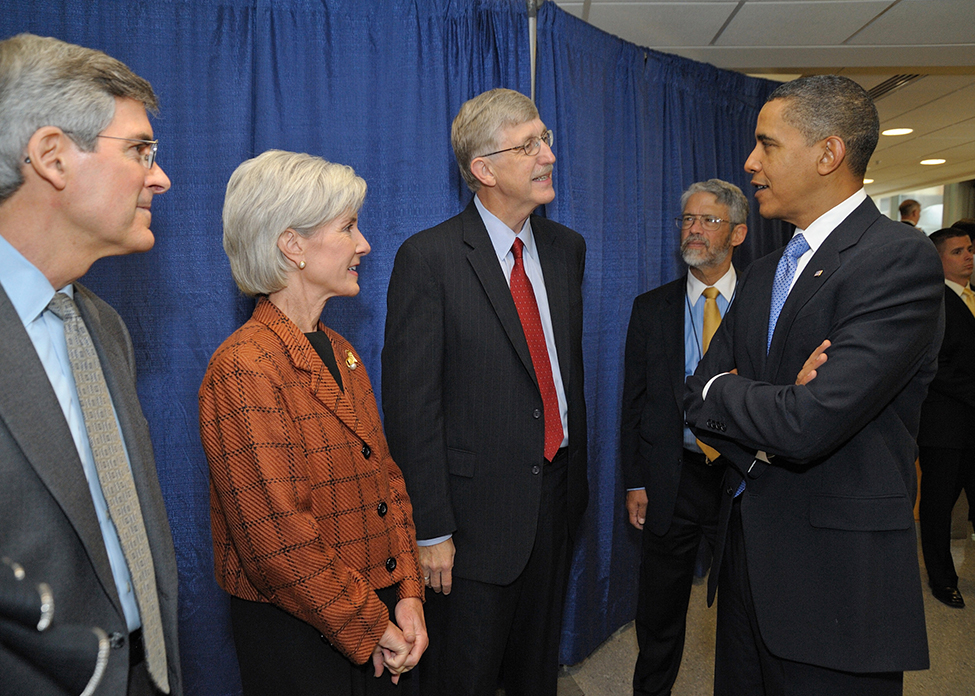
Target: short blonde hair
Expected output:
[274,192]
[479,123]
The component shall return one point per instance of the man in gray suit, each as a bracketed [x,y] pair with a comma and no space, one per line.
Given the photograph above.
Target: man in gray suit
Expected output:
[483,398]
[77,178]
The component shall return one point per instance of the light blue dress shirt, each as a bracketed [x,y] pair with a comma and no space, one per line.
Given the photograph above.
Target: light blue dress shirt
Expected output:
[694,326]
[30,292]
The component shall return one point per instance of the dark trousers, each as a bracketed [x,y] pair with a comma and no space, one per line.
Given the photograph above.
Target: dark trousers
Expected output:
[944,472]
[483,635]
[666,572]
[743,665]
[280,655]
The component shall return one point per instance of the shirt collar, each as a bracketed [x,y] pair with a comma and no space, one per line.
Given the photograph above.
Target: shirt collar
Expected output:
[28,289]
[957,287]
[819,230]
[725,285]
[501,235]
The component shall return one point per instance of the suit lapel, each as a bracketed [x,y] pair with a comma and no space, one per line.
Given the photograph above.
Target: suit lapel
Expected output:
[34,418]
[304,359]
[484,261]
[955,304]
[821,266]
[551,257]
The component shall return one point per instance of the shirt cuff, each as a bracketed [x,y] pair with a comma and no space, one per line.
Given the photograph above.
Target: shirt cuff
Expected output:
[433,542]
[704,394]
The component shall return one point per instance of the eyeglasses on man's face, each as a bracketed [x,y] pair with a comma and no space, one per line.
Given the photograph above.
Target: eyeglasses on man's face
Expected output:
[530,147]
[708,223]
[147,152]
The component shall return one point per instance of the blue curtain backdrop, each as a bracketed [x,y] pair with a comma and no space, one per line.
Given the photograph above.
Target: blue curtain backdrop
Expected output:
[375,84]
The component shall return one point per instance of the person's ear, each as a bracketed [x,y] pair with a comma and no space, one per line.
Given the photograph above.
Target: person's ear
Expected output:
[738,234]
[832,156]
[483,171]
[292,246]
[49,155]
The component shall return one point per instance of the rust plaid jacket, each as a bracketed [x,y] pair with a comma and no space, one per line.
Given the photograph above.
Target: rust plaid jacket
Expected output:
[308,510]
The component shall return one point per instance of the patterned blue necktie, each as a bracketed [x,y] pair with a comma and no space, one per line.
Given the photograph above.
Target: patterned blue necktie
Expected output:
[783,279]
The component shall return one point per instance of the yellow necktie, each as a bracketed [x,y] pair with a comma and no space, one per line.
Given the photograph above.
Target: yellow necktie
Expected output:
[712,318]
[969,298]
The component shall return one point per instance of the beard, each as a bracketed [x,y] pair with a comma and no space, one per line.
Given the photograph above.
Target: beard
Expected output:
[711,255]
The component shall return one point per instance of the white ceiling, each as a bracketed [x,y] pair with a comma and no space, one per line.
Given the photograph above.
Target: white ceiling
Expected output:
[869,41]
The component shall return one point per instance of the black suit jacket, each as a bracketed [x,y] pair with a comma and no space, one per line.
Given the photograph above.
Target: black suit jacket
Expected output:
[829,525]
[461,402]
[47,519]
[948,413]
[652,422]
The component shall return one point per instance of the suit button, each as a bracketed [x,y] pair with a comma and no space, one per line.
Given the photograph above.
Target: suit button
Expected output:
[536,469]
[116,640]
[390,564]
[366,451]
[729,491]
[537,414]
[382,509]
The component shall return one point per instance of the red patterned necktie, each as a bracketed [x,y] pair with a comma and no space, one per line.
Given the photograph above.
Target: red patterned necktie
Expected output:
[524,296]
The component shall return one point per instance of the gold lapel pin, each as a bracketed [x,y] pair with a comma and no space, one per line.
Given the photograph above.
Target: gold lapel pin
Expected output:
[818,273]
[350,360]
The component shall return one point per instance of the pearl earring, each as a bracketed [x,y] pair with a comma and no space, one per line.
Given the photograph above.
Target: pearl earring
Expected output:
[301,265]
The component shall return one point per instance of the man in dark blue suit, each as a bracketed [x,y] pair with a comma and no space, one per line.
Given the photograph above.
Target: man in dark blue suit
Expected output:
[484,409]
[820,585]
[673,486]
[946,436]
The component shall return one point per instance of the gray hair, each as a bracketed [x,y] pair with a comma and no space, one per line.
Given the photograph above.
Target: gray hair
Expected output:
[823,105]
[909,206]
[274,192]
[46,82]
[479,123]
[725,194]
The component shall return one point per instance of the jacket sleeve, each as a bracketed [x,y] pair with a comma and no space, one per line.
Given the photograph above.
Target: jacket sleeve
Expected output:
[634,396]
[412,388]
[885,315]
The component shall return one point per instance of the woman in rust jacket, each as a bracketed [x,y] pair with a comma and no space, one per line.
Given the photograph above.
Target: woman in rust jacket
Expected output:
[313,534]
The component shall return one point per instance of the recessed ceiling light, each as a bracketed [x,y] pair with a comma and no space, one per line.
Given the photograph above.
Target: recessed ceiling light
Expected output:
[897,131]
[933,161]
[868,181]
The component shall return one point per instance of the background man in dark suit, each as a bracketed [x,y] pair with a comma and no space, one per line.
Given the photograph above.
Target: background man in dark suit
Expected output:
[820,586]
[84,513]
[946,436]
[484,410]
[673,487]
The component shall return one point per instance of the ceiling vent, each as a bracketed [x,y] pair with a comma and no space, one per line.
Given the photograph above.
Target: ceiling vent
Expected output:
[889,85]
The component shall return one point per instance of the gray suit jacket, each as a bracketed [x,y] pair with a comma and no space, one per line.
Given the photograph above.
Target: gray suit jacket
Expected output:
[461,402]
[47,518]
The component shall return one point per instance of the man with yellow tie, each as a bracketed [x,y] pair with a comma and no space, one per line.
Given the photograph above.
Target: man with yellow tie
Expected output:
[673,481]
[946,438]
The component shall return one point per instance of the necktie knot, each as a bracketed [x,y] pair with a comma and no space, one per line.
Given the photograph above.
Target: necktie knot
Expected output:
[797,246]
[63,306]
[711,293]
[517,248]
